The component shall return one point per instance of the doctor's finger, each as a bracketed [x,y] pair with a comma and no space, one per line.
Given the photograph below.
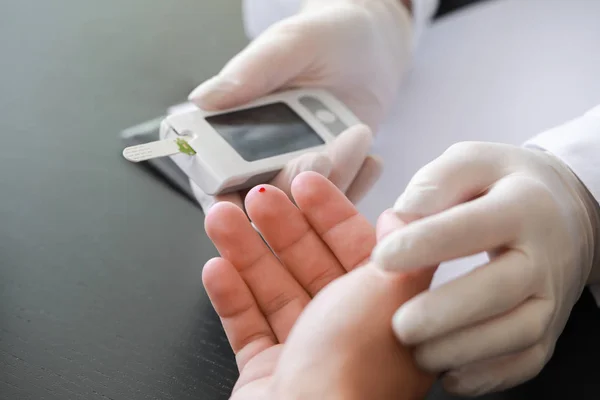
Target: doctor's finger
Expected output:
[265,65]
[347,154]
[498,373]
[484,293]
[460,174]
[509,333]
[311,162]
[484,224]
[365,179]
[206,201]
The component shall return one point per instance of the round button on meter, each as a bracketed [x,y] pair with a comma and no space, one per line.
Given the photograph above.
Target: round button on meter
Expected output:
[326,117]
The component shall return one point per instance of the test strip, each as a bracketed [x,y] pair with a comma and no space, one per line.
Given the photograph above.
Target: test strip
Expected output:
[161,148]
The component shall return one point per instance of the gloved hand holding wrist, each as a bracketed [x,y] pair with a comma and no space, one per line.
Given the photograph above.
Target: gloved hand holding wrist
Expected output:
[496,326]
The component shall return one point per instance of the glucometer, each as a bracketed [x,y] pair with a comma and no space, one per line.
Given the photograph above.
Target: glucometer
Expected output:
[238,148]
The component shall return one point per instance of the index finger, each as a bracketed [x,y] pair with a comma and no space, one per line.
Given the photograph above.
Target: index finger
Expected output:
[348,153]
[481,225]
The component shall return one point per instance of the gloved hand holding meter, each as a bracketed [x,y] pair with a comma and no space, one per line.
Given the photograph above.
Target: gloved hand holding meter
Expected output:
[225,152]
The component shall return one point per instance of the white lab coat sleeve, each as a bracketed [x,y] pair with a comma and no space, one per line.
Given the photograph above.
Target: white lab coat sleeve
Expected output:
[577,144]
[260,14]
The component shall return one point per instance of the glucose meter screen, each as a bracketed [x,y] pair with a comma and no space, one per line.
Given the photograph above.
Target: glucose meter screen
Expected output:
[265,131]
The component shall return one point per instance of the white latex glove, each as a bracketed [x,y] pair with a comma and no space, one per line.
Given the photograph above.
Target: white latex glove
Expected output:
[345,164]
[357,49]
[496,326]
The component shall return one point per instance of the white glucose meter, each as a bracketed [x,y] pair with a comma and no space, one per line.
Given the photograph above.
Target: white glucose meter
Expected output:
[235,149]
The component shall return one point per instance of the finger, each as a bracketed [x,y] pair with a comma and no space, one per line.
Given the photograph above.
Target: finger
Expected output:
[498,373]
[486,223]
[388,222]
[279,296]
[266,64]
[347,154]
[246,328]
[332,216]
[483,293]
[464,171]
[509,333]
[206,201]
[366,178]
[293,240]
[316,162]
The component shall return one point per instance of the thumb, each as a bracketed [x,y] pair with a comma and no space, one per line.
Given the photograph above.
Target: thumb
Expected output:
[265,65]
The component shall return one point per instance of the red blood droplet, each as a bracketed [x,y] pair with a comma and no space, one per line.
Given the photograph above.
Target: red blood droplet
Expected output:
[262,190]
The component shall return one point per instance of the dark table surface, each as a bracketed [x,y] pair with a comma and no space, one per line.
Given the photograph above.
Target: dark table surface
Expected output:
[100,263]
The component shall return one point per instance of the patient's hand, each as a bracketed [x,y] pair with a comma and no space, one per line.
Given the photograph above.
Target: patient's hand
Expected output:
[259,297]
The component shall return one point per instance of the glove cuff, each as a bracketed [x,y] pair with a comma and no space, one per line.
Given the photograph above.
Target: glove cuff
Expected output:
[588,218]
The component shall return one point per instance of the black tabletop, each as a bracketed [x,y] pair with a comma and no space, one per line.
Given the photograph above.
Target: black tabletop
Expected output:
[100,262]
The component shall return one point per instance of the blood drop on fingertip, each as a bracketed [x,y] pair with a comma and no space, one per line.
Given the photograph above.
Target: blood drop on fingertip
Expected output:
[262,190]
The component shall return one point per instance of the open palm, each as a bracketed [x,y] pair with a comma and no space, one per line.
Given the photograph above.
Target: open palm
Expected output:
[258,293]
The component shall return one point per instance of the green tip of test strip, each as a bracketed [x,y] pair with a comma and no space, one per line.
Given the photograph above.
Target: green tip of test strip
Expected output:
[184,147]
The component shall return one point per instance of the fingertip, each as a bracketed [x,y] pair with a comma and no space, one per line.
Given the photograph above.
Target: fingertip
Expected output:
[387,253]
[263,199]
[363,128]
[216,93]
[310,188]
[365,133]
[308,179]
[367,177]
[262,191]
[320,164]
[399,327]
[357,136]
[314,162]
[310,162]
[211,270]
[216,275]
[217,211]
[221,217]
[348,153]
